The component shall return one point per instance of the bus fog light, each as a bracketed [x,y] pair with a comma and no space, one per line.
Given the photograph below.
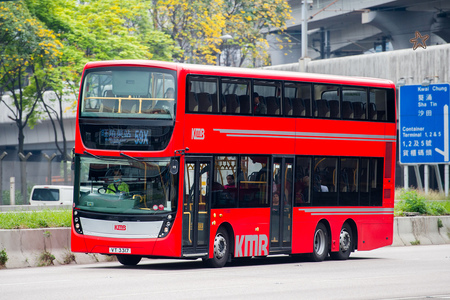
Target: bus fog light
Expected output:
[166,230]
[168,224]
[77,226]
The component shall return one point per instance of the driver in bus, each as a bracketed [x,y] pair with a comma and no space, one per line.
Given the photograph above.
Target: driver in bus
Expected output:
[118,186]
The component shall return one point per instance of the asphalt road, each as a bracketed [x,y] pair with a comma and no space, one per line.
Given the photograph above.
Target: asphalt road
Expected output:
[416,272]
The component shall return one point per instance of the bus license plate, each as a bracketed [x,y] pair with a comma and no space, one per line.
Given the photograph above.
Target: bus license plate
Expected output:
[120,250]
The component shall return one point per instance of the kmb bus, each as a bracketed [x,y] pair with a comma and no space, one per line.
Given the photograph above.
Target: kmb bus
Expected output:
[189,161]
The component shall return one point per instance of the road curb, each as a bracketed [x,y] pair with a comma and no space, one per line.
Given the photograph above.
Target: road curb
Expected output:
[33,247]
[25,247]
[419,230]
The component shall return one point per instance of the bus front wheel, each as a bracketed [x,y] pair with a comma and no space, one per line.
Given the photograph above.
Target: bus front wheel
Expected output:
[345,243]
[221,249]
[320,249]
[128,260]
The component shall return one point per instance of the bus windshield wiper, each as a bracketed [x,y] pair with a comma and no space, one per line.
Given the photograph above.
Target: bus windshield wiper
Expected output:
[92,155]
[130,157]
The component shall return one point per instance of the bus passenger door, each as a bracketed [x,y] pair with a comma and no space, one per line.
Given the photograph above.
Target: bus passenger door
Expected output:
[196,204]
[281,204]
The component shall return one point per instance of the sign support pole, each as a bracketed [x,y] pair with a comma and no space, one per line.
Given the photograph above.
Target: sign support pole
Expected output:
[446,180]
[406,177]
[438,178]
[418,178]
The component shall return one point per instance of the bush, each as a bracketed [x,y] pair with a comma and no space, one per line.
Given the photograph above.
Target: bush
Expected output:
[3,257]
[413,201]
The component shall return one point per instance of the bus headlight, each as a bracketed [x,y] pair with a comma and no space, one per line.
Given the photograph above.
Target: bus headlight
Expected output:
[167,225]
[77,223]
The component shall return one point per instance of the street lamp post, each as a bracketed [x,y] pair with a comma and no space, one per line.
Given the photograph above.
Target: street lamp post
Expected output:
[225,38]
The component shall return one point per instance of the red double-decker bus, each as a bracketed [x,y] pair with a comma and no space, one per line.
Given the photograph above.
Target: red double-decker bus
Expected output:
[188,161]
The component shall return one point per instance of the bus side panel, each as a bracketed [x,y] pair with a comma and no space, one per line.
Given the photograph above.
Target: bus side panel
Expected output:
[375,233]
[250,227]
[243,135]
[303,227]
[339,138]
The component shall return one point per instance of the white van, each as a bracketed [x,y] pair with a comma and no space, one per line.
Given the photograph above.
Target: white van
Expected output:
[51,195]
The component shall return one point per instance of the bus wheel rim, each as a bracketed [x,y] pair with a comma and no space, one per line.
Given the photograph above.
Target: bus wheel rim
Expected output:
[344,240]
[220,246]
[319,242]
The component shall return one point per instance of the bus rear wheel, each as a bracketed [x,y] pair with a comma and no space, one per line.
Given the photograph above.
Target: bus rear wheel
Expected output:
[128,260]
[345,243]
[320,249]
[221,250]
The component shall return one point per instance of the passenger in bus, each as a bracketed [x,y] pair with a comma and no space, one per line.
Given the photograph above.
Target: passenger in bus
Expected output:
[302,190]
[118,186]
[259,108]
[275,202]
[318,186]
[230,182]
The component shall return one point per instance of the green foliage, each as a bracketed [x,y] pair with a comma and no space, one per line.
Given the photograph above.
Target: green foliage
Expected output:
[36,219]
[27,48]
[415,243]
[3,258]
[103,30]
[413,201]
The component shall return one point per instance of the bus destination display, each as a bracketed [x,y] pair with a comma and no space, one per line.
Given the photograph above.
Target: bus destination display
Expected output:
[119,137]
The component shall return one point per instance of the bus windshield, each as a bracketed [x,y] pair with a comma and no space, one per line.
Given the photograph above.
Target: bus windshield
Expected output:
[125,186]
[127,92]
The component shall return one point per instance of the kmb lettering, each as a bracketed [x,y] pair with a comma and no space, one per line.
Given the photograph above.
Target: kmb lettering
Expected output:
[120,227]
[198,134]
[251,245]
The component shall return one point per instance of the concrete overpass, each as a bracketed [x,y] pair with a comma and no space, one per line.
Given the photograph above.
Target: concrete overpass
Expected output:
[339,28]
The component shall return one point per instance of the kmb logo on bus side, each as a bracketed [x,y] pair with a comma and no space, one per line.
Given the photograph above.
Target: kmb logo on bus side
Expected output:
[120,227]
[251,245]
[198,134]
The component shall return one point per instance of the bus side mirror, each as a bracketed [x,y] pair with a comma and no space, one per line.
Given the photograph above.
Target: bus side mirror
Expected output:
[173,166]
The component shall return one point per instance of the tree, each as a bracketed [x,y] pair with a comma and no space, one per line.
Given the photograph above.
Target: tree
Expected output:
[26,47]
[197,26]
[104,30]
[94,30]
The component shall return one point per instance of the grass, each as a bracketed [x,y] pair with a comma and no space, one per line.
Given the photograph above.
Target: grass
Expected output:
[35,219]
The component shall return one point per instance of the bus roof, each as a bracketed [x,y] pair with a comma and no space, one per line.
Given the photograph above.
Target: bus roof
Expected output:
[246,72]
